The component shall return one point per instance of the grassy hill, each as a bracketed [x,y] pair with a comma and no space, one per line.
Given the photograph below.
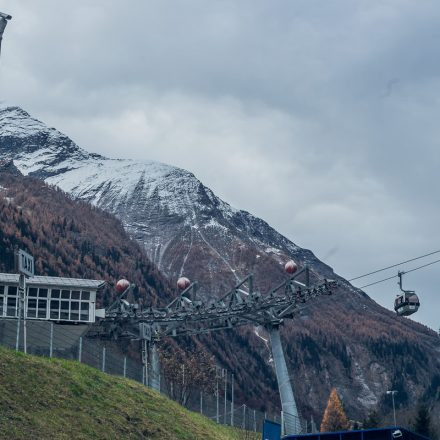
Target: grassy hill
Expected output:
[44,398]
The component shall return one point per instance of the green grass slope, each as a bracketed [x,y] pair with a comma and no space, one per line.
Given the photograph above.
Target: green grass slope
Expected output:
[44,398]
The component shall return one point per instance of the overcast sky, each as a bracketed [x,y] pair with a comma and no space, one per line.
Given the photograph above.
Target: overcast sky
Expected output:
[321,117]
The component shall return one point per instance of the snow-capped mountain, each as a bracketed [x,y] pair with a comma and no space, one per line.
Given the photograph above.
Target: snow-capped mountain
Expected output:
[347,341]
[166,208]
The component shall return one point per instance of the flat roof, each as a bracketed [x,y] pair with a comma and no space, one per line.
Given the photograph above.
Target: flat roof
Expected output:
[12,278]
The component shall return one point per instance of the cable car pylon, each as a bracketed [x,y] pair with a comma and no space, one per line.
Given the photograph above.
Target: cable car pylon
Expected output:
[192,314]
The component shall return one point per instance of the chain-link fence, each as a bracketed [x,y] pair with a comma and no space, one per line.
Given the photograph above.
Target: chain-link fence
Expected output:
[46,338]
[292,424]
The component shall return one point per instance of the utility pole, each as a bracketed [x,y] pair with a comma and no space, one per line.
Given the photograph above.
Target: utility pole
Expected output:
[25,266]
[393,392]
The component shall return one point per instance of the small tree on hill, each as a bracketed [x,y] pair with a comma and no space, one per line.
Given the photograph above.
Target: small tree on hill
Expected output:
[422,424]
[372,421]
[187,372]
[334,416]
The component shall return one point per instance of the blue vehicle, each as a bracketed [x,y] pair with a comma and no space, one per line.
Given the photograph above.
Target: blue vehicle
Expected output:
[389,433]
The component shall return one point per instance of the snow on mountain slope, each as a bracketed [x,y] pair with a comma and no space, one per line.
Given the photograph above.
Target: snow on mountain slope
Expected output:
[164,207]
[347,341]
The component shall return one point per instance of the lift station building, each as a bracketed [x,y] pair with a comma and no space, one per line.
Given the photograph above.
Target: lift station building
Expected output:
[68,300]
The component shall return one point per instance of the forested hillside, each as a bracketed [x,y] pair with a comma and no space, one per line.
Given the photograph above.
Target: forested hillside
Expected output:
[346,341]
[71,238]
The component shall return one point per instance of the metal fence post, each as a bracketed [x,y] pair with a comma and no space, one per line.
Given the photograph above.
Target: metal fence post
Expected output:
[232,399]
[145,348]
[255,423]
[217,401]
[17,339]
[80,349]
[282,423]
[201,402]
[22,287]
[51,340]
[103,359]
[226,395]
[125,366]
[244,416]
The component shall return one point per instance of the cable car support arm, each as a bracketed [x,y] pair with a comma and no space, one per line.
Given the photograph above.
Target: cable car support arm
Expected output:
[190,314]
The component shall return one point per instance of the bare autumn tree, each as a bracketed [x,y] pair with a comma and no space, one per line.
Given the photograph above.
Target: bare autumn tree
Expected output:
[334,416]
[186,372]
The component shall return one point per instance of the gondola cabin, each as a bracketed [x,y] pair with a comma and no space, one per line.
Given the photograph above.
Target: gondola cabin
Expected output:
[406,304]
[68,300]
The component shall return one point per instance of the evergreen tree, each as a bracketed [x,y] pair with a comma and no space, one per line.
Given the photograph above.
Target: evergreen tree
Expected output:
[372,421]
[334,418]
[422,424]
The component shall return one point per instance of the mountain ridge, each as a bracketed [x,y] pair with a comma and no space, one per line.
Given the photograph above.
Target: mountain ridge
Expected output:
[111,183]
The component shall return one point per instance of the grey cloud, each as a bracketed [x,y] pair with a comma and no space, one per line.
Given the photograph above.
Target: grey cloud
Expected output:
[320,117]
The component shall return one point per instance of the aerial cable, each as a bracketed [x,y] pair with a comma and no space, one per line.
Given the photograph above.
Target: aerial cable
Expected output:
[395,276]
[377,282]
[424,265]
[395,265]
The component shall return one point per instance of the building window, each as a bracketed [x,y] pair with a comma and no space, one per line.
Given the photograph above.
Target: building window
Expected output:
[70,305]
[32,308]
[46,303]
[11,302]
[54,309]
[55,293]
[85,311]
[37,303]
[64,315]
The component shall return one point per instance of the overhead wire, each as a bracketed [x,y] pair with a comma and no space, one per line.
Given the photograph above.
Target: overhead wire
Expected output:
[407,271]
[377,282]
[394,265]
[421,267]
